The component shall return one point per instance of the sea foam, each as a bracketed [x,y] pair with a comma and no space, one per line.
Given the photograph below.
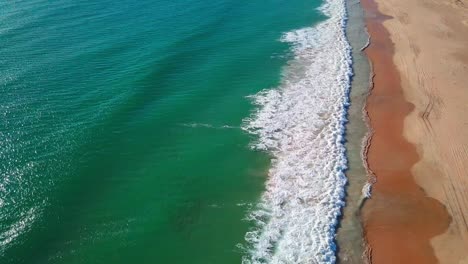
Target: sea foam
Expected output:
[302,125]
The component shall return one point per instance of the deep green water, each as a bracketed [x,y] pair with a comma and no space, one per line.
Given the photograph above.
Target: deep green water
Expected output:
[120,137]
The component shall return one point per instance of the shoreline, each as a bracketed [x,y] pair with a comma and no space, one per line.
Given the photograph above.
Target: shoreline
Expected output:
[304,131]
[410,217]
[349,239]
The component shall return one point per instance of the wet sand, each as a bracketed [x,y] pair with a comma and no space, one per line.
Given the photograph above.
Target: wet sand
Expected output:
[431,56]
[400,220]
[419,151]
[349,236]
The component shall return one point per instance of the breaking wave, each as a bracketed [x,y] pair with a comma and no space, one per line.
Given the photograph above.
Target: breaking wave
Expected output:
[302,125]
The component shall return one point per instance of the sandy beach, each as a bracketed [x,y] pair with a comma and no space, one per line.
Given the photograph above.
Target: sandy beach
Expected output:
[418,112]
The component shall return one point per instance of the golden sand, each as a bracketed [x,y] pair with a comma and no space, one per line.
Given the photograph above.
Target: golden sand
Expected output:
[418,109]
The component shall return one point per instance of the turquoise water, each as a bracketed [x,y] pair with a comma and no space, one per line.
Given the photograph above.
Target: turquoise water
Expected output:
[120,137]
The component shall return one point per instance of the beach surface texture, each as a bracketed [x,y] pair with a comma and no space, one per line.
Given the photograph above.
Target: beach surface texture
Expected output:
[418,152]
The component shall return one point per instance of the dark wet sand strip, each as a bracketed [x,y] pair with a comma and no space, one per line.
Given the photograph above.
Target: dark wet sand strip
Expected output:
[400,219]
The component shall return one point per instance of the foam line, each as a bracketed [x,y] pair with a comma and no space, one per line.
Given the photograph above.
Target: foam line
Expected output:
[302,124]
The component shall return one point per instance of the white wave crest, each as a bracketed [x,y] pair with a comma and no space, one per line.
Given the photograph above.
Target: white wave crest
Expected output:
[203,125]
[302,124]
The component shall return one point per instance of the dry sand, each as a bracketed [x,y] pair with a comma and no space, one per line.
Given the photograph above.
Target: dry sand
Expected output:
[419,111]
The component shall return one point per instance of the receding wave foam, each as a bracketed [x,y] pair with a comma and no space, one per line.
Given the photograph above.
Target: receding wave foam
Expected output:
[302,125]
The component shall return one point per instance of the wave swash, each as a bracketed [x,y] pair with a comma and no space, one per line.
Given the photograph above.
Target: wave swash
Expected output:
[302,125]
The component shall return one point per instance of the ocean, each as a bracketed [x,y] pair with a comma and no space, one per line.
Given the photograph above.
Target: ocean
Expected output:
[186,131]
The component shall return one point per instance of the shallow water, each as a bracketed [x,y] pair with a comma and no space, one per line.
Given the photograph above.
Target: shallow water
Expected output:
[350,236]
